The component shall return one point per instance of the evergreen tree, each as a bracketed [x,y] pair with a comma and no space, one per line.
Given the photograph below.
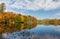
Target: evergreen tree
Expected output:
[2,7]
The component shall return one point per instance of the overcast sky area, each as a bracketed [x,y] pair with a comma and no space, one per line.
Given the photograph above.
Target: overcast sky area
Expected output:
[41,9]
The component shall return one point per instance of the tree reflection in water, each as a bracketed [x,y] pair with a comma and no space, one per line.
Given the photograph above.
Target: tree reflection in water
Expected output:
[12,30]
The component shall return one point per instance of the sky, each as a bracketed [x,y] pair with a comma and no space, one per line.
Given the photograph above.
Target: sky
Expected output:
[41,9]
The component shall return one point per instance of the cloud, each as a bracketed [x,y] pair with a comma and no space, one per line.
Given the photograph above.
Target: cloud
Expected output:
[57,14]
[32,4]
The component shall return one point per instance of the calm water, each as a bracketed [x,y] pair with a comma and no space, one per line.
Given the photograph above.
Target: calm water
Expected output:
[40,31]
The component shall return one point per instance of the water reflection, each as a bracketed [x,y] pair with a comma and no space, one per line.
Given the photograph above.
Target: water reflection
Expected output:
[26,31]
[38,32]
[10,27]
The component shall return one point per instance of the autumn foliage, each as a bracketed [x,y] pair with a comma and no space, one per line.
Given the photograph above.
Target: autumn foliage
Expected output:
[11,22]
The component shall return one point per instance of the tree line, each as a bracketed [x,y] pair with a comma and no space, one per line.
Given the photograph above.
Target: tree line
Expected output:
[49,22]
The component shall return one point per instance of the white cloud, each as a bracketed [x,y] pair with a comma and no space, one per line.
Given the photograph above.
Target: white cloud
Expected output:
[57,14]
[34,5]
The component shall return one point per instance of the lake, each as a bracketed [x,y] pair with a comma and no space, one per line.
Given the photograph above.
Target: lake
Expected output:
[39,32]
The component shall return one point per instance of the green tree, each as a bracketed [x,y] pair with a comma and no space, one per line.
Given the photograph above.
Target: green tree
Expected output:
[2,7]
